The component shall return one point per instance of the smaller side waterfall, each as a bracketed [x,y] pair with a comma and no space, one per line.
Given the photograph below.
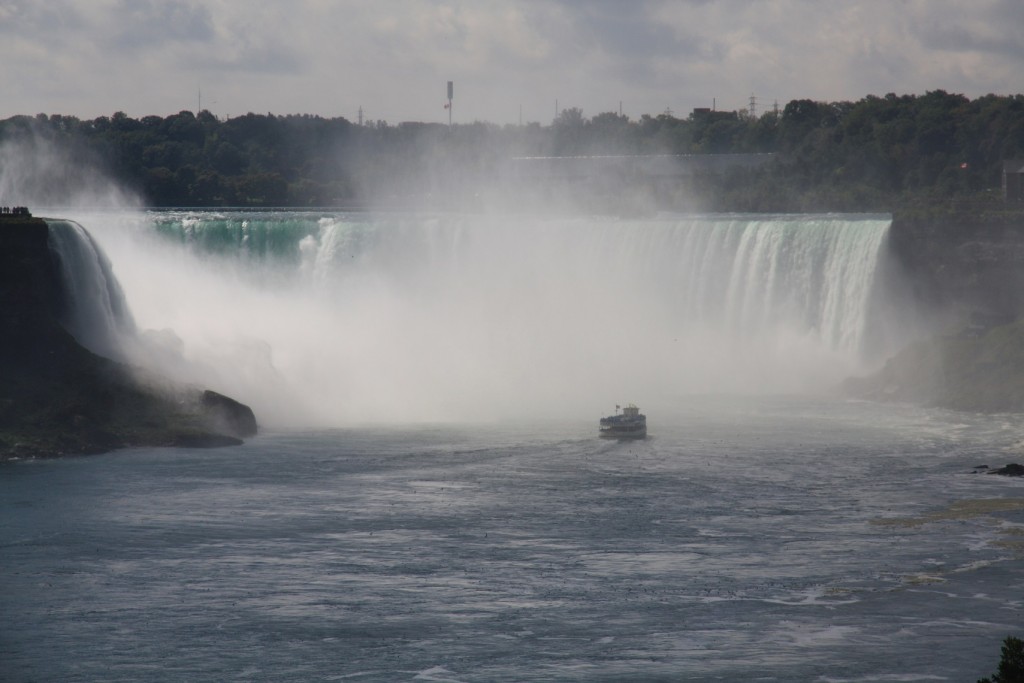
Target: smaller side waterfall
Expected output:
[96,313]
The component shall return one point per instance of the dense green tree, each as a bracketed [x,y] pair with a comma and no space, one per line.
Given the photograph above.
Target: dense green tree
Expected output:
[569,133]
[1011,664]
[227,159]
[866,155]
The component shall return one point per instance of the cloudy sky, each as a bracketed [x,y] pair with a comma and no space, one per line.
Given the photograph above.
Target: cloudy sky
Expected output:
[510,61]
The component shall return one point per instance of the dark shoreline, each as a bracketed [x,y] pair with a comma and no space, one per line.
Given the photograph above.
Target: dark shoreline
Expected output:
[58,398]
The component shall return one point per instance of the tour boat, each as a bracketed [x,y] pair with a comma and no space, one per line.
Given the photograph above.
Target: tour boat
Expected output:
[629,424]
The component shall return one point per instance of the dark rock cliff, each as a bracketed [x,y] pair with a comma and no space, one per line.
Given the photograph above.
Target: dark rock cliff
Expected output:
[962,268]
[963,264]
[58,398]
[977,372]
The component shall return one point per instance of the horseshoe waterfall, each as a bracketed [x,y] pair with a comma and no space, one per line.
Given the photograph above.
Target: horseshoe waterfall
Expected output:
[328,319]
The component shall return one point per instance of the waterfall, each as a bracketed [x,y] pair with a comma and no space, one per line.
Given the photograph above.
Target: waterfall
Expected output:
[744,276]
[338,317]
[96,314]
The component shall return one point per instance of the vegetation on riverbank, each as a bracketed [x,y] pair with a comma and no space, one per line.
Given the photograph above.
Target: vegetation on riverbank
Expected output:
[1011,663]
[872,154]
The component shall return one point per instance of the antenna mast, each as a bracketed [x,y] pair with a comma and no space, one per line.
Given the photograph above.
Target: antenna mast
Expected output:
[451,91]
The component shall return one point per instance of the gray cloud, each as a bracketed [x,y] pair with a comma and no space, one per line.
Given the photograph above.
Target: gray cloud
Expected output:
[25,18]
[995,28]
[627,30]
[149,24]
[91,57]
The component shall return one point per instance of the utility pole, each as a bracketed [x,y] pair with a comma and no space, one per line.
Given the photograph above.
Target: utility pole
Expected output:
[360,115]
[753,106]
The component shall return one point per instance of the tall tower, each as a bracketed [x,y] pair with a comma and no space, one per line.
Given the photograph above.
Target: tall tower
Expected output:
[451,91]
[753,106]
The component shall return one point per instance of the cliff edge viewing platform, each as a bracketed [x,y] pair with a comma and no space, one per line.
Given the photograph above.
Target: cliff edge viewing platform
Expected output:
[15,214]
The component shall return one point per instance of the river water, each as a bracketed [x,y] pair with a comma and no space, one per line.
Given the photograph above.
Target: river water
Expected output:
[428,499]
[774,538]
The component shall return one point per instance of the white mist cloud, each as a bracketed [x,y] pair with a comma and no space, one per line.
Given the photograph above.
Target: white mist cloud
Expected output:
[94,57]
[36,172]
[409,318]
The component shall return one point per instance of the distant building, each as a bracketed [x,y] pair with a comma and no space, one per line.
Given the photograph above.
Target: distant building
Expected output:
[1013,180]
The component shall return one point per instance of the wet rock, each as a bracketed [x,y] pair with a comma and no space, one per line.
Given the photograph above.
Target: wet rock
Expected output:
[1011,470]
[228,415]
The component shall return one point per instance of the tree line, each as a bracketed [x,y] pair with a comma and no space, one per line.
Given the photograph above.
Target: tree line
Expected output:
[867,155]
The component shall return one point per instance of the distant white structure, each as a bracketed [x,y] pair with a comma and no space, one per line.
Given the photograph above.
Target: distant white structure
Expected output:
[451,91]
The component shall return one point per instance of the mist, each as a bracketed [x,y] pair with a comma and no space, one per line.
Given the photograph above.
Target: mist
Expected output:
[335,319]
[329,319]
[38,171]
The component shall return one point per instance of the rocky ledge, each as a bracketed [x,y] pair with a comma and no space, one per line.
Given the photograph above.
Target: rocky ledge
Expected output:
[58,398]
[1011,470]
[975,371]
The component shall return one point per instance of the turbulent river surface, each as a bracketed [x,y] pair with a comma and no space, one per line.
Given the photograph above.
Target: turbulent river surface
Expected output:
[748,538]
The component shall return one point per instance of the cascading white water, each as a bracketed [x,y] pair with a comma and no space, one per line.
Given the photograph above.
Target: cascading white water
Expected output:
[96,314]
[341,318]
